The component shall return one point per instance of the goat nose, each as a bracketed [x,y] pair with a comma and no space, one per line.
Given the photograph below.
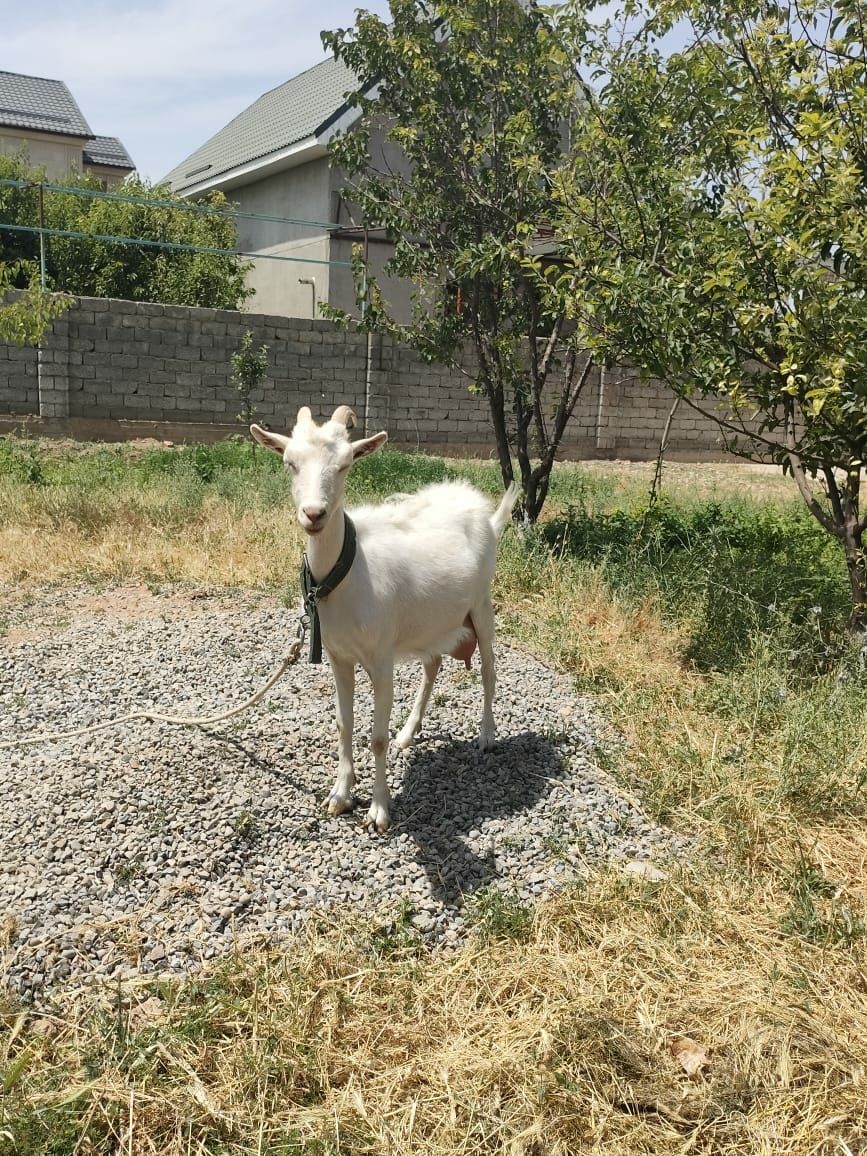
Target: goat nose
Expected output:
[313,513]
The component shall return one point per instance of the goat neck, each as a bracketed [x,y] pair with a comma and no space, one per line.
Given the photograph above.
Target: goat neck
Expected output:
[323,549]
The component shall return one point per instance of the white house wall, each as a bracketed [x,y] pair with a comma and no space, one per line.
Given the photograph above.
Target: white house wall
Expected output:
[397,292]
[57,155]
[289,288]
[302,193]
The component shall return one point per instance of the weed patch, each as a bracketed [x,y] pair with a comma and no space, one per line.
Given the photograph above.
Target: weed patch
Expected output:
[730,571]
[494,915]
[817,910]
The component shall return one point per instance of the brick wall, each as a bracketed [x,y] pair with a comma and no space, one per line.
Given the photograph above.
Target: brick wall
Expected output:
[112,365]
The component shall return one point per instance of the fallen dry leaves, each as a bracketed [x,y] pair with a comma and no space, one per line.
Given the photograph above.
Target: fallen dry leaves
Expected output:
[691,1056]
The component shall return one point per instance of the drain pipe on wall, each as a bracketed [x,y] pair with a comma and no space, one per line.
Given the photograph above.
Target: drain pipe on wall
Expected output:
[312,283]
[368,374]
[368,354]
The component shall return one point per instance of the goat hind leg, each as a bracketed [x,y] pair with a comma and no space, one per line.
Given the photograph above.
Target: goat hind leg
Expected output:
[413,724]
[483,622]
[382,678]
[341,799]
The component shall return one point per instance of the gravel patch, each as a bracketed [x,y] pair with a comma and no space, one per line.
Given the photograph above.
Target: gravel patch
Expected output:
[149,848]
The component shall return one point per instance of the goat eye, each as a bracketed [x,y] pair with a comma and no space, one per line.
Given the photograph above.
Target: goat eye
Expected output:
[291,466]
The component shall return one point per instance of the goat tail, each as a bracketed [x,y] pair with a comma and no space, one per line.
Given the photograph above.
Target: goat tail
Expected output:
[503,512]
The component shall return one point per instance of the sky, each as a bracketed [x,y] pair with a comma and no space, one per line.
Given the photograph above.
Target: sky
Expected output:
[165,75]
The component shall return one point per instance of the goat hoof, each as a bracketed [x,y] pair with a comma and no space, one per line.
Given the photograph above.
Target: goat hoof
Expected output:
[378,817]
[486,740]
[338,805]
[406,737]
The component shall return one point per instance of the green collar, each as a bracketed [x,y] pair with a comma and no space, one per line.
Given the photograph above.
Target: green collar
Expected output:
[313,591]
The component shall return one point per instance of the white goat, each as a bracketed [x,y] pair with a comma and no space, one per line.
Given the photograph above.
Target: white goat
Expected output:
[419,585]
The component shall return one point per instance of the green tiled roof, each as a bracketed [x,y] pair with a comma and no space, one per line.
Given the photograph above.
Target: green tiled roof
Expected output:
[37,103]
[292,112]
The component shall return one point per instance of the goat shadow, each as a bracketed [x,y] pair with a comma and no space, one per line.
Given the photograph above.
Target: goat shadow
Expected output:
[451,788]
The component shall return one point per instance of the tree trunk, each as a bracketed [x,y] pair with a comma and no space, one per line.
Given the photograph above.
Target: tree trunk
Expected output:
[537,491]
[496,403]
[523,415]
[856,565]
[843,521]
[539,479]
[845,497]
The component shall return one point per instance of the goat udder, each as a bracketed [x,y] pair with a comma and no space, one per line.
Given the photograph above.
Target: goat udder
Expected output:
[464,649]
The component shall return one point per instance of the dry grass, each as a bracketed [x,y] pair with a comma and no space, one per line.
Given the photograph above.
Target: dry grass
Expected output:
[127,538]
[700,480]
[557,1039]
[559,1044]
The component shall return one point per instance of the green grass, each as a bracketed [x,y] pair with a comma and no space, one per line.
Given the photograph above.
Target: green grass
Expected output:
[497,915]
[816,913]
[733,571]
[236,470]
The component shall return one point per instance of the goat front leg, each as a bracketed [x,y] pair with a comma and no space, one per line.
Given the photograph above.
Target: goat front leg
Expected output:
[413,723]
[341,799]
[483,621]
[382,678]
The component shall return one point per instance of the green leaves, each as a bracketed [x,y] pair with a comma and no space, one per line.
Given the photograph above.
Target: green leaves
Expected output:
[455,161]
[721,245]
[249,366]
[26,315]
[724,240]
[92,267]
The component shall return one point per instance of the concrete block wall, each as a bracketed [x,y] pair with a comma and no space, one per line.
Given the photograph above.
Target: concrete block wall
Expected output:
[108,366]
[169,363]
[19,388]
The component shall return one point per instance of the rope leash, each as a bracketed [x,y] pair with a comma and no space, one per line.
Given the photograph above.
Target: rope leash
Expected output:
[291,657]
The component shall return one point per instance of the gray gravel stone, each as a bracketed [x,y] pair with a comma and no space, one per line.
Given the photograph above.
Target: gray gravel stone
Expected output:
[151,847]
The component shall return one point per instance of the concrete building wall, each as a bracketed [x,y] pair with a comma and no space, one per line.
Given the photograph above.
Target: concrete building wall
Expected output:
[293,287]
[57,155]
[108,368]
[311,191]
[108,174]
[397,292]
[302,193]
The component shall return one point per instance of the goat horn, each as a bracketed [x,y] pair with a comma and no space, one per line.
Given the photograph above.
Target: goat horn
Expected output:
[304,415]
[344,415]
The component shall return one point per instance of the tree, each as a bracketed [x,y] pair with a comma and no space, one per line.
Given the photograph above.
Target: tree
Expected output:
[249,366]
[26,315]
[89,266]
[473,97]
[723,246]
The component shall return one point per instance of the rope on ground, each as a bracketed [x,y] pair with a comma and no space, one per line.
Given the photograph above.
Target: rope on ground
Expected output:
[291,657]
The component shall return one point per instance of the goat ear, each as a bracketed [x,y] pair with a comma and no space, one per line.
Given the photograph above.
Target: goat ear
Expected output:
[368,445]
[271,441]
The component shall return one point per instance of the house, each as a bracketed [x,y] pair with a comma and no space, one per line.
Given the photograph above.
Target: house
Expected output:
[40,119]
[272,161]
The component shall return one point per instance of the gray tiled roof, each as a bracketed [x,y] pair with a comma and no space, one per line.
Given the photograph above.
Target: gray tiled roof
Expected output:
[290,113]
[45,105]
[107,150]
